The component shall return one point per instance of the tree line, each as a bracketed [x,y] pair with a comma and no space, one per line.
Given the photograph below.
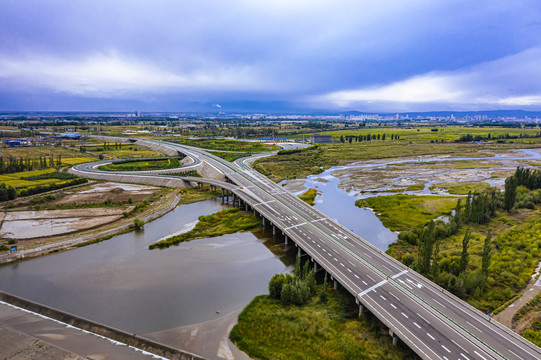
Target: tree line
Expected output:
[368,137]
[12,164]
[470,137]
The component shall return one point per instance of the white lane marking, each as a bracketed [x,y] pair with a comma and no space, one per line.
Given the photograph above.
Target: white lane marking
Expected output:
[313,241]
[481,356]
[381,296]
[464,356]
[400,273]
[414,323]
[294,226]
[403,283]
[323,249]
[515,354]
[393,306]
[406,316]
[342,265]
[393,295]
[318,246]
[335,250]
[449,351]
[335,259]
[356,276]
[437,302]
[313,221]
[368,255]
[371,278]
[352,264]
[364,282]
[372,288]
[454,342]
[476,328]
[428,322]
[430,336]
[348,269]
[263,203]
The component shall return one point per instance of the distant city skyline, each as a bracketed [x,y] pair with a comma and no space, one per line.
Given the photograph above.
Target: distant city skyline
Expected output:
[275,56]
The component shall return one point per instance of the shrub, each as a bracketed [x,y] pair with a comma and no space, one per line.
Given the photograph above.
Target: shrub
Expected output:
[138,224]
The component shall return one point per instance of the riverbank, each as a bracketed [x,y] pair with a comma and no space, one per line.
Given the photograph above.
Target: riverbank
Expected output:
[39,247]
[209,339]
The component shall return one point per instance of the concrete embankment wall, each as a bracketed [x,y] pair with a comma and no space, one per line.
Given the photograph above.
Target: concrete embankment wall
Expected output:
[100,329]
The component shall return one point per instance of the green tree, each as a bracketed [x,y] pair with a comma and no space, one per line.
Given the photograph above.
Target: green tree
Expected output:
[510,194]
[485,261]
[465,257]
[436,263]
[426,245]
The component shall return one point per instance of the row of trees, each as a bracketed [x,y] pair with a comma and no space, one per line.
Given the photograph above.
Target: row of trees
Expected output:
[454,272]
[470,137]
[12,164]
[368,137]
[515,195]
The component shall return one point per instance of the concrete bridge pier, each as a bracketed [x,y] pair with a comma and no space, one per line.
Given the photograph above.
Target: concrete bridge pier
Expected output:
[263,218]
[395,338]
[361,309]
[273,229]
[285,239]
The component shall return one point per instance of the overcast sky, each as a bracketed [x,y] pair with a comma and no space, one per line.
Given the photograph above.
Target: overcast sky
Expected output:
[270,55]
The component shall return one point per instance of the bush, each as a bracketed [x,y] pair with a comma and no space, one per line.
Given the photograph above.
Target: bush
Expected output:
[138,224]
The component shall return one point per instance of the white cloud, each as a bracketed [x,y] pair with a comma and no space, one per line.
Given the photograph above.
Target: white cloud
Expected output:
[511,81]
[106,75]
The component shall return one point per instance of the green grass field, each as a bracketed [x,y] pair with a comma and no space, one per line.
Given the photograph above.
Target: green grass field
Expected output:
[308,196]
[319,330]
[145,165]
[402,212]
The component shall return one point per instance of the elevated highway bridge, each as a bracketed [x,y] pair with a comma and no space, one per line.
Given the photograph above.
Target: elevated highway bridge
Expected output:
[430,320]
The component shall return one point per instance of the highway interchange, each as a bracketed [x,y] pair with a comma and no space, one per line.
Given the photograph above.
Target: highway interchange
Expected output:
[430,320]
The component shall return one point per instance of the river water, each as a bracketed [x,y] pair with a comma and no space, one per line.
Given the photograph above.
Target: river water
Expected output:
[119,282]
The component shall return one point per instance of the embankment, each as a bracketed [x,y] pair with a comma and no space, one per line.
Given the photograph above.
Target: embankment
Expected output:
[100,329]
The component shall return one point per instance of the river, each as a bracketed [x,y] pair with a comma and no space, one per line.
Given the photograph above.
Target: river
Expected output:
[119,282]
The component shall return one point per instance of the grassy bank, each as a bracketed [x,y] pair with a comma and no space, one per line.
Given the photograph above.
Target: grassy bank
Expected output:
[142,165]
[401,212]
[308,196]
[230,145]
[190,196]
[319,330]
[226,221]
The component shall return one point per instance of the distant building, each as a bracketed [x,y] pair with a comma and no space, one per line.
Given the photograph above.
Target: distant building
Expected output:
[320,139]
